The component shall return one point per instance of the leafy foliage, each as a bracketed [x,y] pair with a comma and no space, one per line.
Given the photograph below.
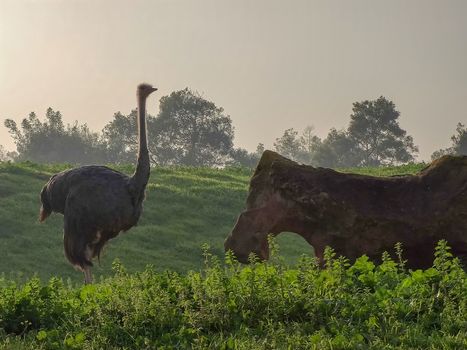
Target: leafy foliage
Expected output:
[310,145]
[189,130]
[192,131]
[121,137]
[337,150]
[4,155]
[241,157]
[52,141]
[260,306]
[289,145]
[379,138]
[458,144]
[373,138]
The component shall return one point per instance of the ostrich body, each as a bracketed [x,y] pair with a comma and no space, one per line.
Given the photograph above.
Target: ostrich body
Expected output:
[98,202]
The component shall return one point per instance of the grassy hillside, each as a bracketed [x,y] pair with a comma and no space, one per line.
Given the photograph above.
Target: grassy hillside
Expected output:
[185,207]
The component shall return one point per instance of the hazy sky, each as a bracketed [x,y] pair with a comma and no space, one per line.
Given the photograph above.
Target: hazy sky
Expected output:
[272,65]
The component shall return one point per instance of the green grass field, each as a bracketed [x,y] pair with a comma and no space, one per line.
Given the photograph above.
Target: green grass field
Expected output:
[184,208]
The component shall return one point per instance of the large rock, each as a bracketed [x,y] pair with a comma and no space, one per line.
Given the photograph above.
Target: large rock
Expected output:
[355,214]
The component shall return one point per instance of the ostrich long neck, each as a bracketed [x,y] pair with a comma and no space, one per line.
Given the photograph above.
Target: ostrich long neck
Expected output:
[140,178]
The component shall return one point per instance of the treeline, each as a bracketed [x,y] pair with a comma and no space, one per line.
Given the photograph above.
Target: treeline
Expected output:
[373,138]
[191,130]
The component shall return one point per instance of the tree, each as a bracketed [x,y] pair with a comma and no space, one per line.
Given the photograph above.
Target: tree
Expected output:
[441,152]
[309,140]
[373,138]
[241,157]
[308,148]
[458,143]
[290,145]
[310,145]
[51,141]
[3,154]
[375,129]
[121,137]
[191,131]
[259,150]
[337,150]
[6,156]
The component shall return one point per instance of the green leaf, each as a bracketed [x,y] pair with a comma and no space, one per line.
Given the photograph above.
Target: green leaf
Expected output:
[41,335]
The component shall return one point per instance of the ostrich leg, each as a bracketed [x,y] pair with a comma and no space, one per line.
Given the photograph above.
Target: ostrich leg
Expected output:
[87,269]
[87,275]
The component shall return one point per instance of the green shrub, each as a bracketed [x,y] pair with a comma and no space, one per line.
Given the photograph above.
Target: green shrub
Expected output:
[258,306]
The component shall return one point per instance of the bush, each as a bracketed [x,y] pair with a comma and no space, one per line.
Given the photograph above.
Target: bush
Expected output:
[259,306]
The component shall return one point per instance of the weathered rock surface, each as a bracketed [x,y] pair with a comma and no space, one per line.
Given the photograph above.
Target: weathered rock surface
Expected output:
[355,214]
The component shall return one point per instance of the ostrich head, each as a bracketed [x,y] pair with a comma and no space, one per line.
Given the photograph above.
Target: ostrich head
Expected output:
[144,90]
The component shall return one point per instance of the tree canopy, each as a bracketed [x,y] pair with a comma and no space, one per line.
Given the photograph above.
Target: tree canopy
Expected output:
[121,138]
[3,154]
[241,157]
[374,127]
[336,150]
[458,143]
[52,141]
[191,130]
[290,145]
[372,138]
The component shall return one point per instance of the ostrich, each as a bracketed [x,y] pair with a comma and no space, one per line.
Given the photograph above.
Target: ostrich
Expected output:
[98,202]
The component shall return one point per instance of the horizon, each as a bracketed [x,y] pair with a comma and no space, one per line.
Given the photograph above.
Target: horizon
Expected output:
[266,63]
